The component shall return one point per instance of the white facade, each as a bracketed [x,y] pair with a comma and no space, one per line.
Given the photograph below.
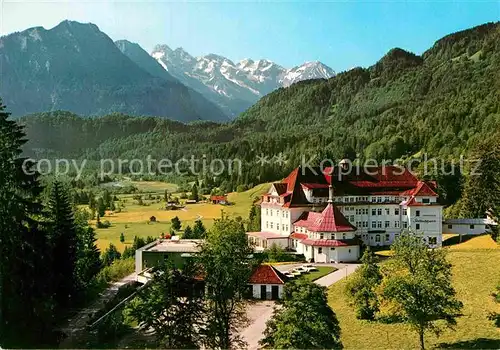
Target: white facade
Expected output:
[257,290]
[329,254]
[467,226]
[393,203]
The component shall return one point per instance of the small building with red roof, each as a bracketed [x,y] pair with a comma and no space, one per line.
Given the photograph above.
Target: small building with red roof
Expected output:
[267,282]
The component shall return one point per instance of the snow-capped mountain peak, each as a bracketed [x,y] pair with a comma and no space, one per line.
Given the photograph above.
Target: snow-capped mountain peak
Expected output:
[234,86]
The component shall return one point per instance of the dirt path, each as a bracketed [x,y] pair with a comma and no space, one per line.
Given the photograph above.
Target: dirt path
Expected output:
[76,326]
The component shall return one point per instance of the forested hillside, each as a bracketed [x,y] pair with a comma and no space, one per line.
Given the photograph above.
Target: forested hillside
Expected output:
[441,103]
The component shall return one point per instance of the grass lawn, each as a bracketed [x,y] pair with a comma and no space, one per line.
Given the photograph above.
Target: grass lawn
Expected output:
[475,275]
[322,271]
[133,220]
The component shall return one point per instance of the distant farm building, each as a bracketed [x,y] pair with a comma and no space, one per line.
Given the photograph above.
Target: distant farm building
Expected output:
[218,199]
[468,226]
[191,201]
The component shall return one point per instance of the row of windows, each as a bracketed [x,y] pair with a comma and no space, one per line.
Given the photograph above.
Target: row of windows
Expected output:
[284,213]
[470,226]
[387,224]
[376,211]
[271,226]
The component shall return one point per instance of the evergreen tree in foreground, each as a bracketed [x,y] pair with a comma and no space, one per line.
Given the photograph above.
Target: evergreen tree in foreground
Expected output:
[25,298]
[63,239]
[199,230]
[88,262]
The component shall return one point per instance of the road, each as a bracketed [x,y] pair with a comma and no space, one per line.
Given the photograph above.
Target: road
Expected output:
[76,326]
[260,312]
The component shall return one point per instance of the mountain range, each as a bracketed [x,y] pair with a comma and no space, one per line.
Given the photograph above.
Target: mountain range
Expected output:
[78,68]
[234,86]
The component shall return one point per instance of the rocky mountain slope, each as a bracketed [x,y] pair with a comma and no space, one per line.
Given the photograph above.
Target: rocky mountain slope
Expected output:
[78,68]
[234,86]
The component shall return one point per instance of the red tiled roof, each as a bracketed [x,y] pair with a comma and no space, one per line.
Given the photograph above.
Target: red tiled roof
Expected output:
[329,220]
[330,242]
[267,274]
[424,189]
[311,186]
[217,198]
[300,236]
[386,180]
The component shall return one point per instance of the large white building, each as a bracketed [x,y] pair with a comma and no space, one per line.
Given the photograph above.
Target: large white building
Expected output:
[326,214]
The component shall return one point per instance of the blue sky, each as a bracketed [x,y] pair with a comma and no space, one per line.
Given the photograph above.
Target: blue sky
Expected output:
[340,34]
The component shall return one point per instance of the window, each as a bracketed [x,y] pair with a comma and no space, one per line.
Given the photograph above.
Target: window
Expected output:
[320,250]
[278,226]
[405,211]
[396,224]
[417,213]
[271,225]
[321,236]
[352,218]
[271,212]
[386,199]
[365,224]
[374,199]
[387,211]
[283,213]
[396,211]
[471,227]
[377,238]
[349,250]
[307,248]
[267,211]
[374,224]
[267,224]
[343,236]
[405,224]
[379,199]
[374,212]
[417,226]
[379,211]
[387,224]
[450,226]
[387,237]
[432,240]
[379,224]
[332,248]
[426,200]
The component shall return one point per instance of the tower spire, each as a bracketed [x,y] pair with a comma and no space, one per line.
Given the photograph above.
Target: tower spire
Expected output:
[330,194]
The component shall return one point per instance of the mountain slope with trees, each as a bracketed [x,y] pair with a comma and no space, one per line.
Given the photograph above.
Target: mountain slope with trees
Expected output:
[76,67]
[441,103]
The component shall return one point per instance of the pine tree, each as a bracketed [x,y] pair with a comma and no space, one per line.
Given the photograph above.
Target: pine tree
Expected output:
[176,223]
[63,240]
[188,233]
[101,207]
[111,254]
[199,231]
[253,219]
[194,192]
[25,298]
[88,262]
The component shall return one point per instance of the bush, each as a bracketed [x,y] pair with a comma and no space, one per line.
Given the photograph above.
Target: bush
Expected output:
[116,271]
